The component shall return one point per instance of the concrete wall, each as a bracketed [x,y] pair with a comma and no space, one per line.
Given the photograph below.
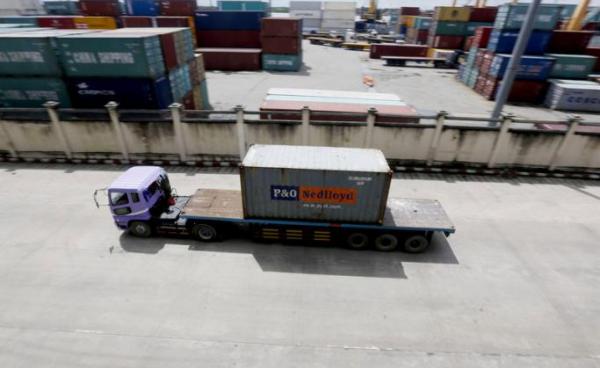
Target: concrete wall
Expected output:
[472,145]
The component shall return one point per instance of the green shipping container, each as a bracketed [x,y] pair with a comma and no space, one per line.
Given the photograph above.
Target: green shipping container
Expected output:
[472,26]
[32,92]
[281,63]
[31,52]
[111,54]
[443,28]
[572,66]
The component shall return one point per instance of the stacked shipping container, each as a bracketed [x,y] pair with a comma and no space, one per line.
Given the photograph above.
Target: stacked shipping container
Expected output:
[338,16]
[282,44]
[310,13]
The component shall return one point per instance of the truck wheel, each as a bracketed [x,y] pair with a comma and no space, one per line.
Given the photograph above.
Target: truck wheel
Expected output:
[204,232]
[386,242]
[416,244]
[357,241]
[140,229]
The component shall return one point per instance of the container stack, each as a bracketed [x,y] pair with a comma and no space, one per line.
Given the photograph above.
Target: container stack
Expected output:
[229,40]
[405,13]
[237,5]
[104,8]
[180,8]
[61,7]
[338,16]
[30,70]
[143,8]
[417,31]
[449,27]
[310,13]
[281,44]
[77,22]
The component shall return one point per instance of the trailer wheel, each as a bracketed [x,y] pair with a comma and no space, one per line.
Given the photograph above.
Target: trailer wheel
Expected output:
[204,232]
[357,241]
[416,244]
[386,242]
[140,229]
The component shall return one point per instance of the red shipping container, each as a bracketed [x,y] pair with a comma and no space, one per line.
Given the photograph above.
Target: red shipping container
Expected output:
[236,39]
[569,42]
[487,14]
[422,36]
[231,59]
[468,43]
[281,45]
[482,37]
[410,10]
[136,22]
[281,27]
[480,84]
[486,62]
[594,51]
[60,22]
[479,58]
[174,22]
[446,42]
[178,7]
[108,8]
[526,91]
[392,49]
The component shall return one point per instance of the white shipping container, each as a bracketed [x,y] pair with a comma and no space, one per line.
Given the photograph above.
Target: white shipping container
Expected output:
[337,23]
[338,14]
[311,24]
[20,7]
[306,5]
[306,14]
[573,96]
[339,5]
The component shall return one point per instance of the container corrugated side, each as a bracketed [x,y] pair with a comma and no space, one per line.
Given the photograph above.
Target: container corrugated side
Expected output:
[231,20]
[572,66]
[512,16]
[306,5]
[452,13]
[142,7]
[32,92]
[337,195]
[284,63]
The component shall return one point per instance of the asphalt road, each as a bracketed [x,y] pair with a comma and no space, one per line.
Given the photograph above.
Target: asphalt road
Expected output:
[516,286]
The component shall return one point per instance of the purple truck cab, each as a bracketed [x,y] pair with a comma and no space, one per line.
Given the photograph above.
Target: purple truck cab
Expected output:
[138,195]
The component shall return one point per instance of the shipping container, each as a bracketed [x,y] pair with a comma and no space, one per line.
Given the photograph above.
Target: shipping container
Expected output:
[95,23]
[487,14]
[281,27]
[109,8]
[445,28]
[282,63]
[129,93]
[422,23]
[146,8]
[281,45]
[504,41]
[572,66]
[522,91]
[58,7]
[31,53]
[137,22]
[339,5]
[175,22]
[315,183]
[235,5]
[306,14]
[111,54]
[594,51]
[570,42]
[392,49]
[177,7]
[231,59]
[512,16]
[417,36]
[530,67]
[57,21]
[12,19]
[446,42]
[305,5]
[224,38]
[574,96]
[452,13]
[472,27]
[179,80]
[217,20]
[32,92]
[337,24]
[482,37]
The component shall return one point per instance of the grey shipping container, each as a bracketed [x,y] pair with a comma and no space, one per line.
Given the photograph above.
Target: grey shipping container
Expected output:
[315,183]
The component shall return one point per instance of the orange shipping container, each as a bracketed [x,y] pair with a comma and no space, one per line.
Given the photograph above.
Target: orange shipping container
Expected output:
[95,23]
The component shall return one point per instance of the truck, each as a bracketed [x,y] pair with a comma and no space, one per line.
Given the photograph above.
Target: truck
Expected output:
[289,194]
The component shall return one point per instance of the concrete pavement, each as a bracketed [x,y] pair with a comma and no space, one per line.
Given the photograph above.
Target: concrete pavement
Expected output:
[516,286]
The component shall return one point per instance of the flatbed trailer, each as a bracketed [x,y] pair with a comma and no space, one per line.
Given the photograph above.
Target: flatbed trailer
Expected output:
[401,60]
[212,214]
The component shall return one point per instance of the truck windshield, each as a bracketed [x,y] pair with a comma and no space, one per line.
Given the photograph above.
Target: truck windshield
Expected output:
[118,198]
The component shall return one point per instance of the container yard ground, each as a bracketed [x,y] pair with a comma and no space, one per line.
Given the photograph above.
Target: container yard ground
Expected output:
[426,88]
[516,286]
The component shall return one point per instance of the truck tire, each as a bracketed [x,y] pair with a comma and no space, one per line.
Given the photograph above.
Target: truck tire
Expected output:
[357,241]
[386,242]
[205,232]
[415,244]
[140,229]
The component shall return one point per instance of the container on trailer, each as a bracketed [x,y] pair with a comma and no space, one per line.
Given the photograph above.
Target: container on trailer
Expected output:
[569,42]
[452,13]
[283,63]
[512,16]
[392,49]
[111,54]
[233,59]
[95,23]
[177,7]
[530,67]
[486,14]
[315,183]
[281,45]
[446,42]
[422,22]
[235,5]
[110,8]
[31,53]
[504,41]
[129,21]
[572,66]
[217,20]
[58,7]
[142,7]
[225,38]
[446,28]
[281,27]
[129,93]
[32,92]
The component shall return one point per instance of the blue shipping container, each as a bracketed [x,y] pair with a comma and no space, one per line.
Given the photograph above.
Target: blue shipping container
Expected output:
[531,67]
[147,8]
[229,20]
[135,93]
[503,42]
